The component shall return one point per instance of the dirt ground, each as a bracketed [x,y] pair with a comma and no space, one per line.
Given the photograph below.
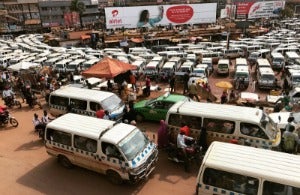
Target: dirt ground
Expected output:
[26,168]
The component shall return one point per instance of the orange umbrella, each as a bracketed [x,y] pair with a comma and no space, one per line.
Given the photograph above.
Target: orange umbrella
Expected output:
[108,68]
[224,84]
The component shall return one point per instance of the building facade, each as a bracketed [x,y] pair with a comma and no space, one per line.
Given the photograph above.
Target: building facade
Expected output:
[23,15]
[54,13]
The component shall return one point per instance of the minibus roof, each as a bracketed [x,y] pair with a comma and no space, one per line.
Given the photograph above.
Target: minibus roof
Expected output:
[226,112]
[87,126]
[270,165]
[83,94]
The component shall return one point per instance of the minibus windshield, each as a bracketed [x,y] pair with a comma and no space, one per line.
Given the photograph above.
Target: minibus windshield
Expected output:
[111,103]
[269,125]
[133,144]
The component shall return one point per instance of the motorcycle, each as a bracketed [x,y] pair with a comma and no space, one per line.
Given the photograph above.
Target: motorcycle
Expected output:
[192,153]
[6,118]
[32,101]
[12,101]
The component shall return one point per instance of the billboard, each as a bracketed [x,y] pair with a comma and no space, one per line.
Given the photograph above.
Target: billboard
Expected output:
[228,12]
[71,19]
[150,16]
[259,9]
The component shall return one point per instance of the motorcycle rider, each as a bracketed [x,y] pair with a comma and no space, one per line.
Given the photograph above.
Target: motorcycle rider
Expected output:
[28,95]
[181,146]
[8,95]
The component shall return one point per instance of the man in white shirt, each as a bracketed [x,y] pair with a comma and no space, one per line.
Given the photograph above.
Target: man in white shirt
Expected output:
[181,145]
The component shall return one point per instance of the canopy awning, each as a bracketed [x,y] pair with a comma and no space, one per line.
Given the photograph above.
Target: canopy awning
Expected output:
[32,22]
[84,37]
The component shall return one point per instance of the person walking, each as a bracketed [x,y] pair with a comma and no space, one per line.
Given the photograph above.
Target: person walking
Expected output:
[290,140]
[162,135]
[186,78]
[148,85]
[172,83]
[193,91]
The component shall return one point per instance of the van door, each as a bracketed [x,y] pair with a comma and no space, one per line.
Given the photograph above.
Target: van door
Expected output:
[85,152]
[112,158]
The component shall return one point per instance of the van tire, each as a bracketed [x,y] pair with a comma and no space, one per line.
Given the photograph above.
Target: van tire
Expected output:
[114,177]
[65,162]
[140,117]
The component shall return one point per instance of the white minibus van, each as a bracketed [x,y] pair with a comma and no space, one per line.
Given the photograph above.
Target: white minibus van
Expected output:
[62,65]
[120,151]
[75,65]
[223,66]
[277,60]
[89,63]
[52,61]
[291,57]
[241,62]
[85,101]
[224,123]
[234,169]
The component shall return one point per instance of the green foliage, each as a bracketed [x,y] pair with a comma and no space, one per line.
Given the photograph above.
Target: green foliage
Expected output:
[287,12]
[77,6]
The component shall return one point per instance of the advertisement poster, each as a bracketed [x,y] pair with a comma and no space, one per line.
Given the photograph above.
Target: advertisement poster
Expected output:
[71,19]
[151,16]
[228,12]
[260,9]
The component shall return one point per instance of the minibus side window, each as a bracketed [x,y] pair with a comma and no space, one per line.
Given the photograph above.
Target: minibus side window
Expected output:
[219,125]
[270,188]
[79,104]
[252,130]
[60,101]
[85,144]
[111,151]
[178,120]
[230,181]
[95,106]
[59,137]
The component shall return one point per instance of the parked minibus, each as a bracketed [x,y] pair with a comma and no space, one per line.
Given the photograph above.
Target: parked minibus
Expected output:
[210,67]
[291,57]
[85,101]
[120,151]
[177,61]
[52,61]
[277,60]
[140,65]
[89,63]
[265,78]
[262,53]
[224,123]
[261,62]
[223,66]
[61,66]
[215,56]
[75,65]
[233,53]
[234,169]
[241,62]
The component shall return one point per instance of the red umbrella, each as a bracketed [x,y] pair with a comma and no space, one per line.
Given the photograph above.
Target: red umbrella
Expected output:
[108,68]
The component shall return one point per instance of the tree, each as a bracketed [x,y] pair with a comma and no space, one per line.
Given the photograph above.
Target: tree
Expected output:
[287,12]
[79,7]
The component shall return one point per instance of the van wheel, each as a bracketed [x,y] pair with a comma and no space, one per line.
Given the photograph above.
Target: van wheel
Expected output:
[140,118]
[65,162]
[114,177]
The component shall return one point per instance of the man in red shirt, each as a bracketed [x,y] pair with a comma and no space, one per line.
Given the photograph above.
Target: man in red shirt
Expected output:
[100,113]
